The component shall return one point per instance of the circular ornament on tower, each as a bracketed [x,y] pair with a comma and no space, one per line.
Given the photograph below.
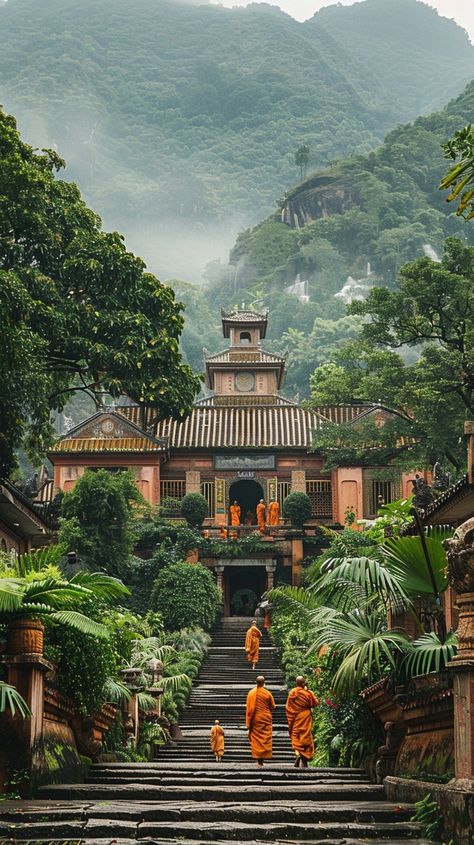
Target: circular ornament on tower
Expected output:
[245,381]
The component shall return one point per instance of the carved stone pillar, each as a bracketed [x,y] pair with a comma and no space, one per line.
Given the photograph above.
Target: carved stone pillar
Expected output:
[460,552]
[270,567]
[219,570]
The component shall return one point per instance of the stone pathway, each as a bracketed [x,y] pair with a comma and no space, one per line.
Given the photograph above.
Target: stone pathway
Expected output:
[185,797]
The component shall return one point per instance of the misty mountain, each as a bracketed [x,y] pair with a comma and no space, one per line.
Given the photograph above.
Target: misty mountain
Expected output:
[374,211]
[182,120]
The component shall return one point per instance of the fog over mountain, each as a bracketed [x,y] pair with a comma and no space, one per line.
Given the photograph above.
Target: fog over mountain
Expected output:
[180,122]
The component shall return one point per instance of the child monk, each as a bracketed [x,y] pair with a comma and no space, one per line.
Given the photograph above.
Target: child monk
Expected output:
[299,705]
[252,643]
[259,721]
[217,741]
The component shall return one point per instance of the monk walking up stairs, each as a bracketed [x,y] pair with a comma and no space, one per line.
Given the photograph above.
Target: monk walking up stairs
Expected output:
[299,704]
[184,797]
[259,709]
[217,741]
[252,643]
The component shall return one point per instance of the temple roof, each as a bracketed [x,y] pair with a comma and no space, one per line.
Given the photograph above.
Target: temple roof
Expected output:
[108,431]
[232,356]
[273,426]
[244,317]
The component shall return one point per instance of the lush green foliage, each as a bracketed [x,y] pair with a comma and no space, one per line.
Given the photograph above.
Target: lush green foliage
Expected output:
[186,595]
[194,508]
[97,520]
[190,110]
[430,310]
[347,598]
[32,586]
[460,177]
[78,311]
[392,212]
[236,547]
[297,508]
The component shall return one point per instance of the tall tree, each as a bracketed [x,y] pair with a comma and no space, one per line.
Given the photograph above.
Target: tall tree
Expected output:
[302,160]
[429,317]
[78,312]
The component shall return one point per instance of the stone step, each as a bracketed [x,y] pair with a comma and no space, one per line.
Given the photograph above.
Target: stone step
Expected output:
[211,831]
[224,791]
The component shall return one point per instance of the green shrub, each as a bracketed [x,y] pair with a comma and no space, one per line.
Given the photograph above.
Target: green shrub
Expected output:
[297,508]
[194,508]
[186,595]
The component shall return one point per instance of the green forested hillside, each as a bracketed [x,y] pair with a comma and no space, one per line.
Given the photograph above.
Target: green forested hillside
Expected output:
[167,111]
[382,209]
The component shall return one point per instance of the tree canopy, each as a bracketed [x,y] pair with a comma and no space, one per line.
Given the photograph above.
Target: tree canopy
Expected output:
[79,312]
[429,318]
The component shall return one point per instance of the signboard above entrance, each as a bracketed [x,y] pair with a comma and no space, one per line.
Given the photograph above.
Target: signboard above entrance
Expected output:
[244,462]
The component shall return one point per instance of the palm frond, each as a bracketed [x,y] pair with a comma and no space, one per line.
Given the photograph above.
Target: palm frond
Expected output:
[101,586]
[365,643]
[146,701]
[294,598]
[173,682]
[429,654]
[367,572]
[38,560]
[50,591]
[11,595]
[439,532]
[82,623]
[10,699]
[116,691]
[405,558]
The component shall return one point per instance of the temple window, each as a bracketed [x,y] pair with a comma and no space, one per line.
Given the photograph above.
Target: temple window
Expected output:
[319,492]
[245,338]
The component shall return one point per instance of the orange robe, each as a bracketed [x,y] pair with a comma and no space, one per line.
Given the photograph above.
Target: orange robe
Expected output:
[234,515]
[274,513]
[217,740]
[300,721]
[260,705]
[252,643]
[261,517]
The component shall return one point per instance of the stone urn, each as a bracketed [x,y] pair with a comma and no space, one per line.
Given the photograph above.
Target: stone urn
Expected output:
[25,636]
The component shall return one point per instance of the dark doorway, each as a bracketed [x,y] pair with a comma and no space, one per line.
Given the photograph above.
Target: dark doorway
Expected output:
[248,494]
[246,585]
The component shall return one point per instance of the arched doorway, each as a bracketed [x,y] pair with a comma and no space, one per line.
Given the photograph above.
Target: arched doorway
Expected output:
[245,585]
[247,493]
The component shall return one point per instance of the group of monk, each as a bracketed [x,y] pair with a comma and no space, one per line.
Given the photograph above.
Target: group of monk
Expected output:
[265,516]
[259,722]
[259,719]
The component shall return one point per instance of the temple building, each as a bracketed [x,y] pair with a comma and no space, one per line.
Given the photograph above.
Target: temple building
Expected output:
[243,442]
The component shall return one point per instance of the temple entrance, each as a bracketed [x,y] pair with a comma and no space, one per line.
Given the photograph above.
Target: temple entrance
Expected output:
[247,493]
[245,587]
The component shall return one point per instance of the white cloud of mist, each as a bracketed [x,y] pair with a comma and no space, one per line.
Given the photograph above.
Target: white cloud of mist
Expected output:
[462,11]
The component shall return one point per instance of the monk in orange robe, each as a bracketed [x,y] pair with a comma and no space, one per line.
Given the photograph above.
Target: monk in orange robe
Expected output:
[299,705]
[260,706]
[217,741]
[261,516]
[273,513]
[252,643]
[235,514]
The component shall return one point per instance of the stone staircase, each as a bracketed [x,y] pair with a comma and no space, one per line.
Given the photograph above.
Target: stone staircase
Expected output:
[185,797]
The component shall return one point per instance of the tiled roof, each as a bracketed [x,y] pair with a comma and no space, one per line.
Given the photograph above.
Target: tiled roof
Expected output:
[228,356]
[268,426]
[342,414]
[244,316]
[107,444]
